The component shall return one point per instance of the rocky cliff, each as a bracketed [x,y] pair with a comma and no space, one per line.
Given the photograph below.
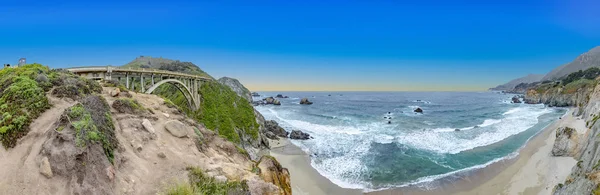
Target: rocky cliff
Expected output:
[585,176]
[236,86]
[553,94]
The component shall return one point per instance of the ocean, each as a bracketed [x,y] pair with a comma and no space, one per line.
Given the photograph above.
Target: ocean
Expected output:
[355,147]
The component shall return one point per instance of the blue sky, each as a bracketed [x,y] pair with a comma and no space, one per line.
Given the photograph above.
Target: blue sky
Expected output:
[312,45]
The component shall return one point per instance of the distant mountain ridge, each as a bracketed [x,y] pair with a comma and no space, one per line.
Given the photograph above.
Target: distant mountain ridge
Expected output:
[530,78]
[582,62]
[166,64]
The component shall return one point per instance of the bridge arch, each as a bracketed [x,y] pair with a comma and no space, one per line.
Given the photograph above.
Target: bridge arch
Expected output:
[189,96]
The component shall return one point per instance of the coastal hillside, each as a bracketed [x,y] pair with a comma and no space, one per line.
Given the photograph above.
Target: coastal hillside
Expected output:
[582,62]
[581,91]
[236,86]
[572,90]
[530,78]
[59,129]
[165,64]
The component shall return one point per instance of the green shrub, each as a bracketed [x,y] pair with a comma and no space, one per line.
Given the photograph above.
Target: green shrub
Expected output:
[589,74]
[128,105]
[92,122]
[21,101]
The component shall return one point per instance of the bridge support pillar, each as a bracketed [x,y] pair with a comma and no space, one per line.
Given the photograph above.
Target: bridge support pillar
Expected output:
[152,79]
[142,82]
[127,80]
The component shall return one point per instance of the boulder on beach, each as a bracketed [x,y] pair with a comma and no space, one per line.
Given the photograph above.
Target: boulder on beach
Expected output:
[296,134]
[272,126]
[305,101]
[566,142]
[419,110]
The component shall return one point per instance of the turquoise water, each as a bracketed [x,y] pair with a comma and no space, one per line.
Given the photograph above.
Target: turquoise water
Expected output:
[355,147]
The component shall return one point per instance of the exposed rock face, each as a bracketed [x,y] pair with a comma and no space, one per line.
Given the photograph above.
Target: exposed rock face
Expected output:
[276,102]
[177,128]
[237,87]
[566,142]
[305,101]
[584,176]
[419,110]
[274,127]
[557,97]
[272,172]
[296,134]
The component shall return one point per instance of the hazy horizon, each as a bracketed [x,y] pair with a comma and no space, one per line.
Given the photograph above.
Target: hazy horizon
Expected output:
[312,45]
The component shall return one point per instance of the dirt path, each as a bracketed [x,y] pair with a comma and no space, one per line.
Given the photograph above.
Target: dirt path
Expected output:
[20,165]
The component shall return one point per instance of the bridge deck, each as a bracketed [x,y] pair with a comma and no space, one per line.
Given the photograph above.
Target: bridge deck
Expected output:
[143,70]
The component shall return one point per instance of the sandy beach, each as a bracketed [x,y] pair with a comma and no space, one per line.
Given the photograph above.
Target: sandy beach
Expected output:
[533,171]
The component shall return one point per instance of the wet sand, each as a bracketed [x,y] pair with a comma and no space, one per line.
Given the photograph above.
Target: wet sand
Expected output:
[533,171]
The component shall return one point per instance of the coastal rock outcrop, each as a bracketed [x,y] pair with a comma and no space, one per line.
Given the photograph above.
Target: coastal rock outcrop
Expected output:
[268,100]
[515,100]
[566,142]
[273,127]
[558,96]
[305,101]
[297,134]
[271,171]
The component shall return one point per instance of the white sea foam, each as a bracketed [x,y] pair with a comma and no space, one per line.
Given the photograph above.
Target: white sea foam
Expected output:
[486,122]
[516,121]
[345,145]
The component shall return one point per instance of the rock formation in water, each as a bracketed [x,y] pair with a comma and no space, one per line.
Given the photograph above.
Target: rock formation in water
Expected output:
[305,101]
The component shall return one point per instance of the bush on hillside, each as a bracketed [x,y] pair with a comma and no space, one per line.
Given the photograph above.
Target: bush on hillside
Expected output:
[23,98]
[92,121]
[590,74]
[128,105]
